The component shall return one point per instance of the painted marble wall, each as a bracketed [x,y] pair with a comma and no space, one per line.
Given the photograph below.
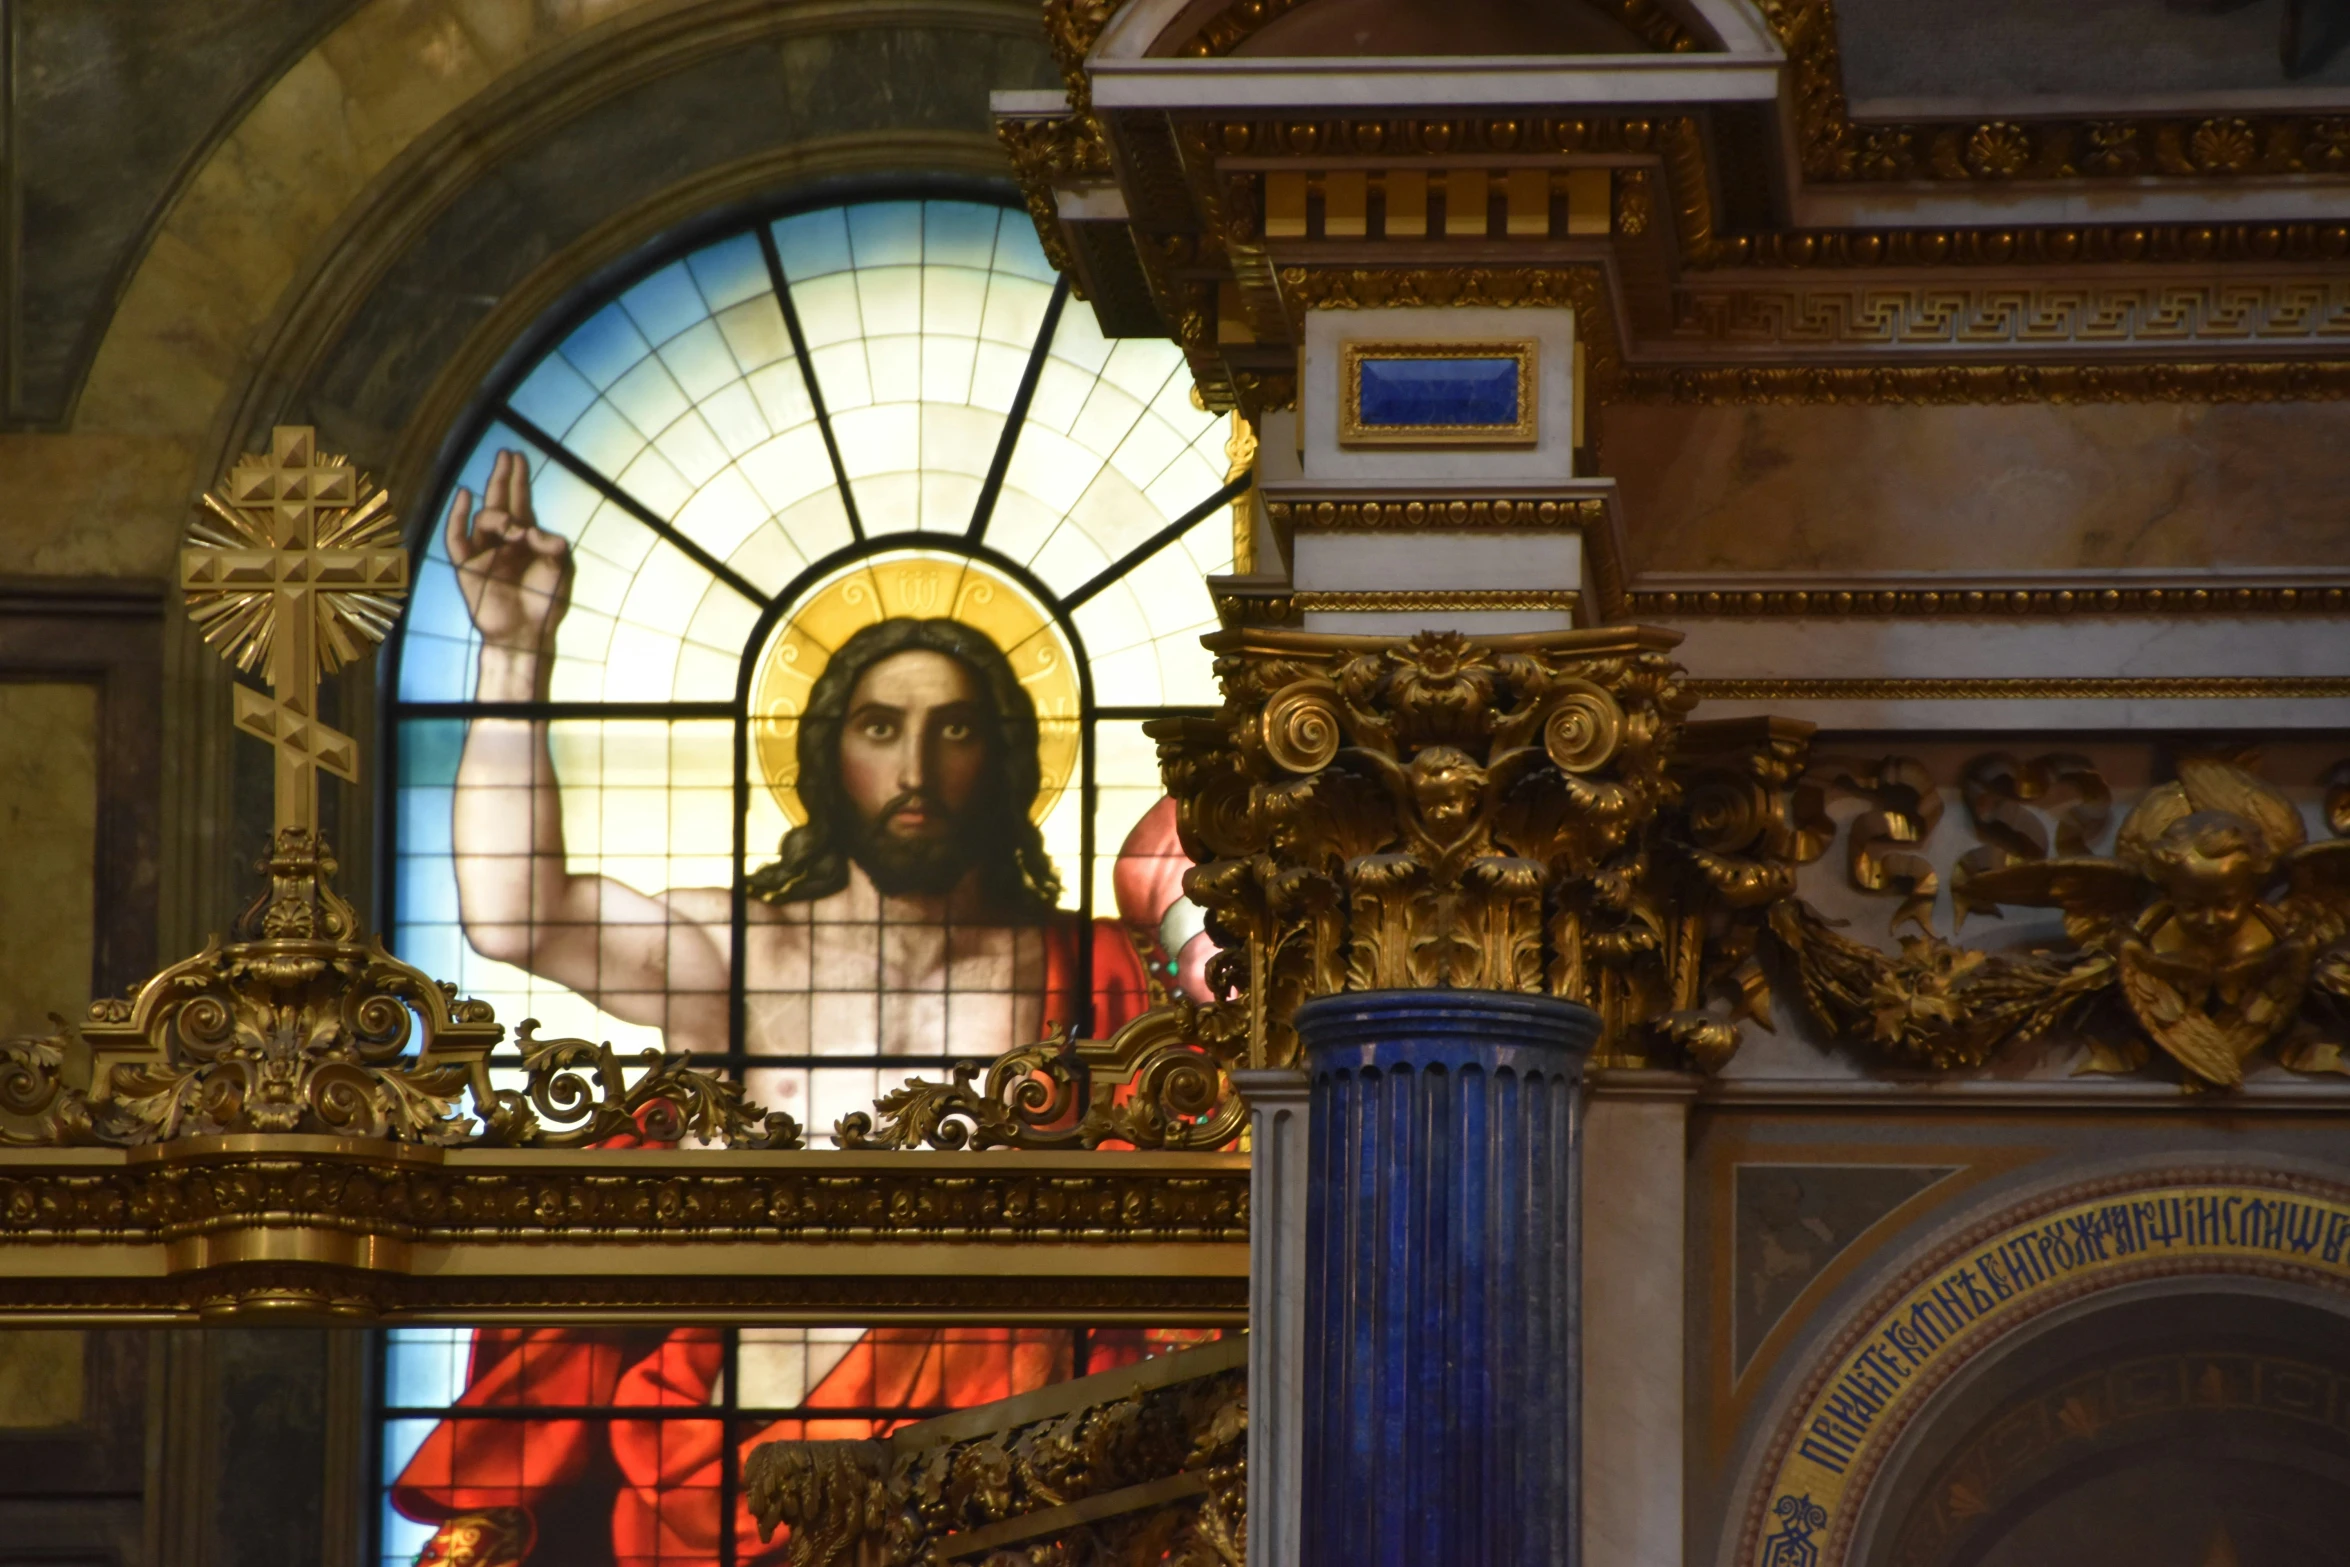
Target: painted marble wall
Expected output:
[49,843]
[2002,489]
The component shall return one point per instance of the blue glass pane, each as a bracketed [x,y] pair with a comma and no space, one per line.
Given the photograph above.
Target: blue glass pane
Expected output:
[553,395]
[428,890]
[959,233]
[1017,249]
[884,233]
[813,243]
[424,821]
[429,749]
[606,346]
[434,669]
[436,949]
[730,271]
[666,303]
[424,1368]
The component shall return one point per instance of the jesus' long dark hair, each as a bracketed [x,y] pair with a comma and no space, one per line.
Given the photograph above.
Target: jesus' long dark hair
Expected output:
[1016,875]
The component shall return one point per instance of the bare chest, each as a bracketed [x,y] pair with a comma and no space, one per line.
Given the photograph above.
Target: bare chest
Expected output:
[862,987]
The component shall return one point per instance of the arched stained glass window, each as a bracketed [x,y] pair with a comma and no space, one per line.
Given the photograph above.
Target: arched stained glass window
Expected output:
[772,689]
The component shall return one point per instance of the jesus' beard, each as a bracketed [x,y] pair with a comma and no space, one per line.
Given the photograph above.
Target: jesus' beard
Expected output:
[927,866]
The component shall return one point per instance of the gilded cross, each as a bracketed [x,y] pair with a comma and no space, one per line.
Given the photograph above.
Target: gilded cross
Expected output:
[298,567]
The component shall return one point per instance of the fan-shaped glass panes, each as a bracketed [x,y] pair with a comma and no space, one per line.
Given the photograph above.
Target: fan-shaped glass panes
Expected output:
[772,690]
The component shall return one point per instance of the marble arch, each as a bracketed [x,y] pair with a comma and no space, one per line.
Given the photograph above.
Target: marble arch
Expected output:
[428,145]
[1881,1378]
[2123,1418]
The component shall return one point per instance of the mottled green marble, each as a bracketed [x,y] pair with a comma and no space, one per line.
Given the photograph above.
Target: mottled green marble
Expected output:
[48,852]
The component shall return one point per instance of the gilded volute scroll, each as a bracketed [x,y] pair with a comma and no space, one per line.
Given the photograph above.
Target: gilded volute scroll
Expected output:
[299,1021]
[1529,814]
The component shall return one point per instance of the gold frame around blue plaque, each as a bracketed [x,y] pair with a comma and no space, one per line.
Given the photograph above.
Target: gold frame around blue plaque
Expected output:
[1353,432]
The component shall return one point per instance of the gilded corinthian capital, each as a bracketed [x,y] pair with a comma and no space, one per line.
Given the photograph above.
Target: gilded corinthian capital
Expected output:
[1525,813]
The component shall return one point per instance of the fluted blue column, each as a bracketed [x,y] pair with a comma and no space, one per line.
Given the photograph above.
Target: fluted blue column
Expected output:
[1441,1387]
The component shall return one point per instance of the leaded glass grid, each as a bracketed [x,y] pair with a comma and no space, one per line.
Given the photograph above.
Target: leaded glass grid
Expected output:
[884,408]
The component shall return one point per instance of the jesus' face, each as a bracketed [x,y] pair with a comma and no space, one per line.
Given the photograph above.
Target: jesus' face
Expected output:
[918,764]
[913,757]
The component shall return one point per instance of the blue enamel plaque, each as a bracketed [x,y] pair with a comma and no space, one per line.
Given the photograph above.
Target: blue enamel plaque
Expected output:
[1444,394]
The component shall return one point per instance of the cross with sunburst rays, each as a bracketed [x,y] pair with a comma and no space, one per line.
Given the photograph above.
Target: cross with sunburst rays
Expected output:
[300,568]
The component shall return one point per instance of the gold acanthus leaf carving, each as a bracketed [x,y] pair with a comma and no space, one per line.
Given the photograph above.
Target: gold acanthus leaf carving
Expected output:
[2212,932]
[492,1537]
[1133,1477]
[1504,815]
[298,1024]
[1159,1082]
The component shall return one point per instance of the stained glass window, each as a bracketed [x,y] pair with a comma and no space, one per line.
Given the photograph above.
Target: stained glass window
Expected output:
[772,690]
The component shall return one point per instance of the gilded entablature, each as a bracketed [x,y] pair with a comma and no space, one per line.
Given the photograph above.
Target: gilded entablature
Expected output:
[1182,205]
[303,1227]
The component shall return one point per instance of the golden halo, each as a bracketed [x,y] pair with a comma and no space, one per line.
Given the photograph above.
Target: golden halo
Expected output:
[920,586]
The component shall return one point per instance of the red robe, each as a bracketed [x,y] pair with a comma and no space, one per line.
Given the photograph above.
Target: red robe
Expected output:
[650,1488]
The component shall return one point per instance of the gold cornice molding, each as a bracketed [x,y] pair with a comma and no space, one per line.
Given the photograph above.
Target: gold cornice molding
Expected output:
[2128,246]
[1293,509]
[2149,688]
[2203,381]
[1640,148]
[2263,314]
[1669,319]
[319,1227]
[2087,598]
[1833,147]
[1194,245]
[1436,600]
[1311,514]
[1274,644]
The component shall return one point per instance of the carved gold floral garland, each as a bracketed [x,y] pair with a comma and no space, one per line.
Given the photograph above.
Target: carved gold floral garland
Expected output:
[2214,931]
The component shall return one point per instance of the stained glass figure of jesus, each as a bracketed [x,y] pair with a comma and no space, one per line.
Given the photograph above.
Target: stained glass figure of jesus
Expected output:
[913,910]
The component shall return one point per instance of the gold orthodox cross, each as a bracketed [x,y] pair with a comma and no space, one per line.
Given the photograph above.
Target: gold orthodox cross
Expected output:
[299,567]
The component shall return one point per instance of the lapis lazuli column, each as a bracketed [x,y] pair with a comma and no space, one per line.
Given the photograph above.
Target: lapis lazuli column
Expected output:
[1441,1388]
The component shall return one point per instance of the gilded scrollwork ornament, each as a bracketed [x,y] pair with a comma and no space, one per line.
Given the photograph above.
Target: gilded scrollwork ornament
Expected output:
[299,1022]
[302,1024]
[1160,1082]
[1139,1467]
[2214,931]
